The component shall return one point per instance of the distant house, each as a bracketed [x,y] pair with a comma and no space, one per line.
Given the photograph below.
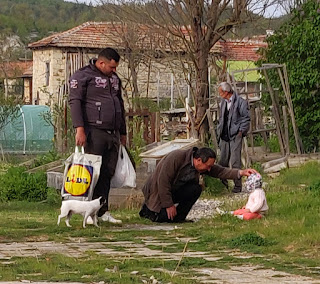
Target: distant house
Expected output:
[57,57]
[11,80]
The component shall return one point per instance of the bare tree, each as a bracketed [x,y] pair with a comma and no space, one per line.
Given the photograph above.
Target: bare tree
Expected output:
[189,30]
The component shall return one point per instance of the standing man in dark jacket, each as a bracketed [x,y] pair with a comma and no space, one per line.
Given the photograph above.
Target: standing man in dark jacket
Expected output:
[234,123]
[173,188]
[98,115]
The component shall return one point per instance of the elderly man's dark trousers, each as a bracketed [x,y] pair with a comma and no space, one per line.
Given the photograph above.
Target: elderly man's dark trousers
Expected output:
[185,197]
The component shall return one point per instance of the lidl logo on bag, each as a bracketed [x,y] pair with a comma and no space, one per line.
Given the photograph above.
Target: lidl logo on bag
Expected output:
[78,180]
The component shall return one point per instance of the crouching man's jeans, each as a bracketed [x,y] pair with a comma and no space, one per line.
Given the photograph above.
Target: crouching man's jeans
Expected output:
[185,197]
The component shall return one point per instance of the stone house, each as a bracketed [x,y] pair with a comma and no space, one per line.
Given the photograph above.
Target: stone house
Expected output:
[58,56]
[12,81]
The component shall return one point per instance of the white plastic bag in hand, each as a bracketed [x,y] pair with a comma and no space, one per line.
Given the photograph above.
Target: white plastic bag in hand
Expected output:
[125,174]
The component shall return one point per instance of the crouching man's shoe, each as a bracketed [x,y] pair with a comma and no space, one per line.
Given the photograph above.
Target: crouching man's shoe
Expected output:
[106,217]
[236,190]
[225,183]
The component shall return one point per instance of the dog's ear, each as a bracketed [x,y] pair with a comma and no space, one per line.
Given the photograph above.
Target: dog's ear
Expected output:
[102,200]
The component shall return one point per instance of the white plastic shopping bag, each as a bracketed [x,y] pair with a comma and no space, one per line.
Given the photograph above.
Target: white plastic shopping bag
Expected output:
[81,174]
[125,174]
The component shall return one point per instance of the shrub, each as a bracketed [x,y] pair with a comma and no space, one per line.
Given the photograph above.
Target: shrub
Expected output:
[16,184]
[53,196]
[315,188]
[214,187]
[249,239]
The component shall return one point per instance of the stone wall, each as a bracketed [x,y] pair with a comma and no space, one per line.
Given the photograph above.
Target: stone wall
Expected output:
[48,74]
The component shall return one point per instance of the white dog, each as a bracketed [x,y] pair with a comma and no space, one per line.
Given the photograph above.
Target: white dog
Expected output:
[85,208]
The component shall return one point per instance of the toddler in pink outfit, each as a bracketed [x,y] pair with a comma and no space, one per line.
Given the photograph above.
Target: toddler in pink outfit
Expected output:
[257,205]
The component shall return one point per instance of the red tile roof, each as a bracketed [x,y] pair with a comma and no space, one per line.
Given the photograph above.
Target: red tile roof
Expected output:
[14,69]
[97,35]
[103,34]
[243,50]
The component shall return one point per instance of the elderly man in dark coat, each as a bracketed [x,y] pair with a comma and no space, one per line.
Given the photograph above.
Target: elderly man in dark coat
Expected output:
[173,188]
[234,124]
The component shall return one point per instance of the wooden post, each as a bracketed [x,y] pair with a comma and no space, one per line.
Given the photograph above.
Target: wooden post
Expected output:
[275,112]
[157,127]
[285,86]
[153,127]
[286,129]
[252,127]
[245,153]
[171,92]
[146,127]
[130,122]
[260,126]
[65,126]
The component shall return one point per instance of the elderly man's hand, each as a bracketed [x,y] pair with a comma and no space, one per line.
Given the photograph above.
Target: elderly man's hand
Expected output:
[171,212]
[247,172]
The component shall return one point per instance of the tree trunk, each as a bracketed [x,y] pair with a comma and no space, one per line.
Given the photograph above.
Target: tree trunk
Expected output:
[132,68]
[202,92]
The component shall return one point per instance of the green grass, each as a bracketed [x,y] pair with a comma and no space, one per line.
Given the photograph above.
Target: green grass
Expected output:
[288,238]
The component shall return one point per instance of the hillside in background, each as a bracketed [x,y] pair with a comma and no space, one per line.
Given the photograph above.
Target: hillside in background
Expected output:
[35,19]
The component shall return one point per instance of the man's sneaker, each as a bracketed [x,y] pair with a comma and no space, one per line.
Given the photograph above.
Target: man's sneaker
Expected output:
[106,217]
[89,221]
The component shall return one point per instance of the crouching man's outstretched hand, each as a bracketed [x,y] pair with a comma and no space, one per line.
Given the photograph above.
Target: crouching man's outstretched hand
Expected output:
[247,172]
[171,212]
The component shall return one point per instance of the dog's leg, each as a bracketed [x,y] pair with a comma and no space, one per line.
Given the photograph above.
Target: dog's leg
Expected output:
[85,220]
[59,217]
[68,219]
[95,220]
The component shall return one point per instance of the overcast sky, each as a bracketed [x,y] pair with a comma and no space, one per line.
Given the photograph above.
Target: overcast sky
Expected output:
[272,11]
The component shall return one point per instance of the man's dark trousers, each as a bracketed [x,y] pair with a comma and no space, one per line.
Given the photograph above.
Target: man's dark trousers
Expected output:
[105,143]
[185,197]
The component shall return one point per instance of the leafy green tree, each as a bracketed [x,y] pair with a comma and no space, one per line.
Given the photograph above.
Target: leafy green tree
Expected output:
[297,44]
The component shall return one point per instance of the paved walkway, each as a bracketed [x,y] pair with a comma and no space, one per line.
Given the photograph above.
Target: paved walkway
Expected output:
[79,247]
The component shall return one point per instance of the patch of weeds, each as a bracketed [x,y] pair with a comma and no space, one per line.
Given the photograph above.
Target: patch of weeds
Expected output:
[214,187]
[249,240]
[53,196]
[16,184]
[190,262]
[51,156]
[315,188]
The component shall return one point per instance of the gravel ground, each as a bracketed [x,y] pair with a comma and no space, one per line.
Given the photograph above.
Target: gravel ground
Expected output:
[206,208]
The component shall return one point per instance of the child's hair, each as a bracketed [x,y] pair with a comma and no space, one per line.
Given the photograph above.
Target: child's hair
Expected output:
[253,181]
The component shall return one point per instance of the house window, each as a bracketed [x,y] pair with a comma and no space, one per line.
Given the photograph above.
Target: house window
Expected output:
[47,73]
